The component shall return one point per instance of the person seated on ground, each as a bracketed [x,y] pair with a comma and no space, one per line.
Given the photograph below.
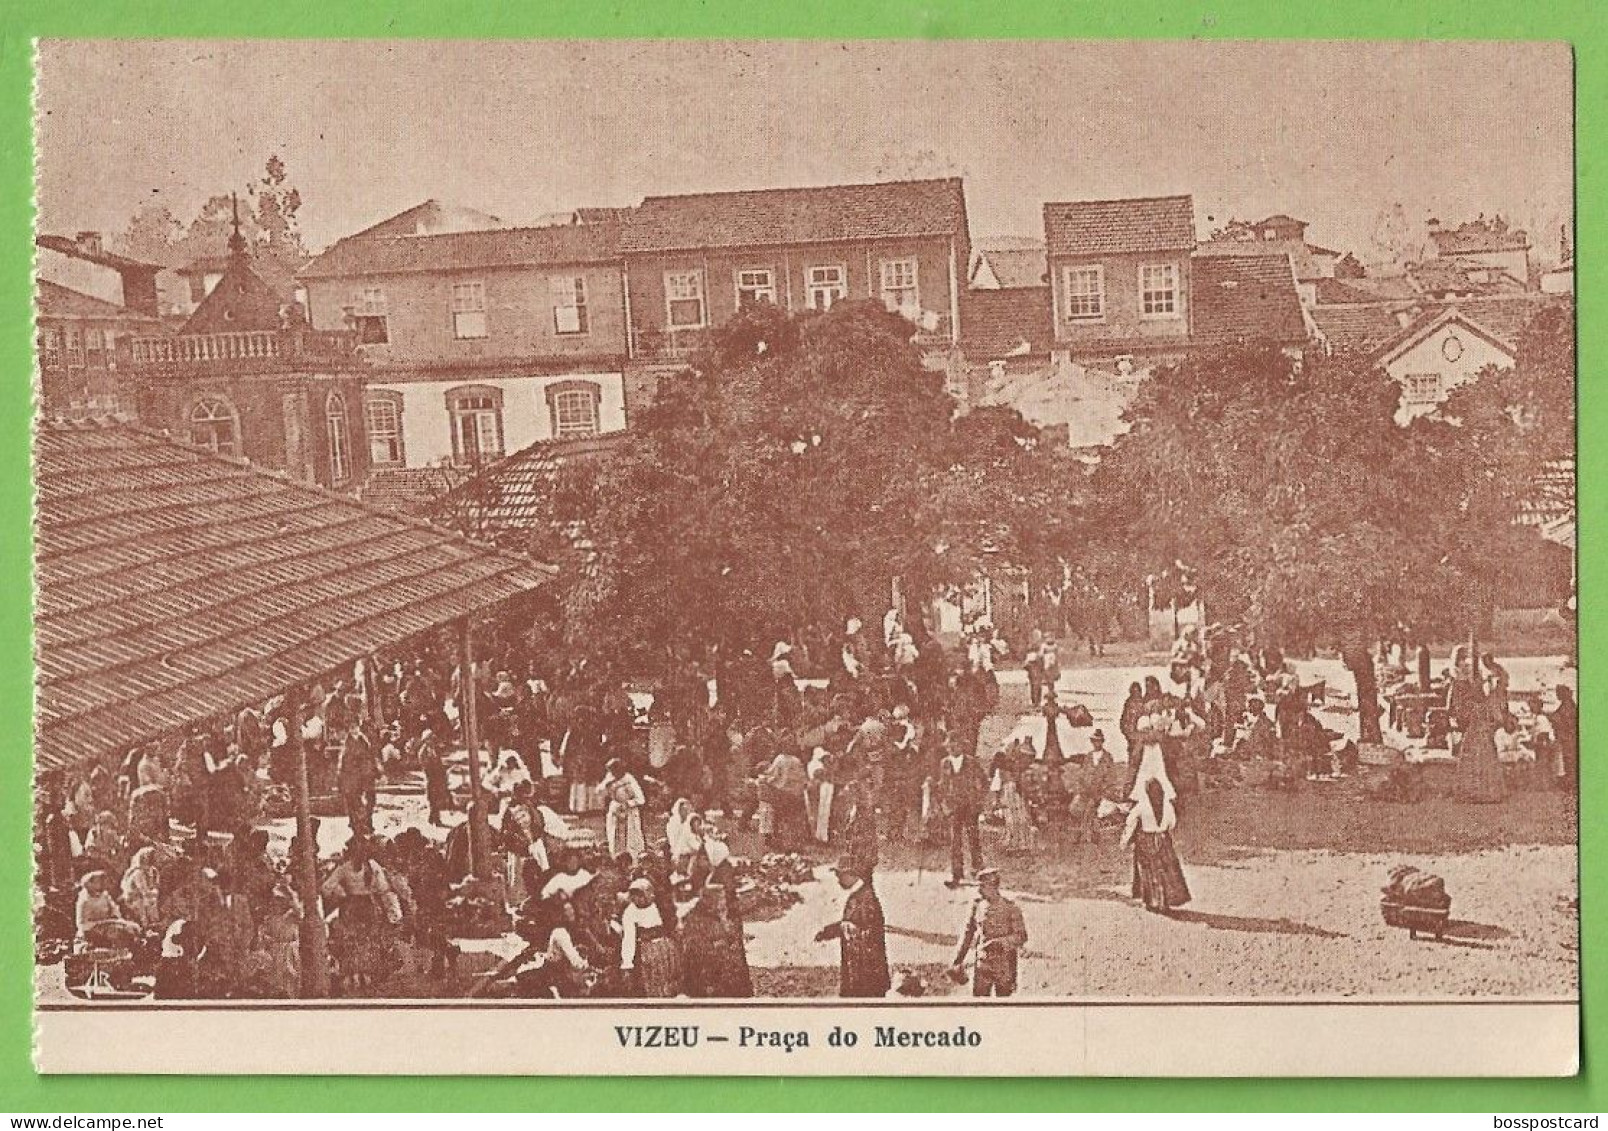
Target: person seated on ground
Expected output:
[99,921]
[1259,738]
[568,878]
[142,888]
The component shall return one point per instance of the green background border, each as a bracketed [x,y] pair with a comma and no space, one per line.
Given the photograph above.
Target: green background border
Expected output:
[1582,22]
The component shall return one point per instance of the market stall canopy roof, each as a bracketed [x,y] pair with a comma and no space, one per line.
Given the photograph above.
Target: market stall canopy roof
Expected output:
[174,585]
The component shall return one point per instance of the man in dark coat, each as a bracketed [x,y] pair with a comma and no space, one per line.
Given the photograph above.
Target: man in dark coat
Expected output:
[861,933]
[963,785]
[1565,720]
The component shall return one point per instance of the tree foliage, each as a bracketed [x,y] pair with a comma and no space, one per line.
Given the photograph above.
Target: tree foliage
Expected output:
[789,475]
[269,211]
[1308,514]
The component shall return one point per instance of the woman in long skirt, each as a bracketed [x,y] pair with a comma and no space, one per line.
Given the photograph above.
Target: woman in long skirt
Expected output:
[647,947]
[1009,765]
[1158,877]
[622,821]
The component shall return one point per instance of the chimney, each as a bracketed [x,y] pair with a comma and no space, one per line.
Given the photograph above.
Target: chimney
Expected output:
[89,243]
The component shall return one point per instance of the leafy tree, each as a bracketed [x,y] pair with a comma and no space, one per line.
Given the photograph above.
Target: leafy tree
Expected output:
[268,220]
[1279,487]
[788,476]
[1492,450]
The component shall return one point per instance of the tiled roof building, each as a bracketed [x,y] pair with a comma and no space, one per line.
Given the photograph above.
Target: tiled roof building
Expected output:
[825,214]
[1101,227]
[175,585]
[1250,298]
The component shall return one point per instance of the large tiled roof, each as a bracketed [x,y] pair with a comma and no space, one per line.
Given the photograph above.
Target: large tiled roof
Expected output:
[1507,316]
[173,585]
[827,214]
[560,244]
[1251,298]
[1013,322]
[1330,292]
[508,495]
[56,301]
[1111,227]
[1359,328]
[1303,256]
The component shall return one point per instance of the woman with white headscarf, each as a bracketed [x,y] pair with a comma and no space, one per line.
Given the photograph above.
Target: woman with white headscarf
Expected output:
[678,835]
[1158,877]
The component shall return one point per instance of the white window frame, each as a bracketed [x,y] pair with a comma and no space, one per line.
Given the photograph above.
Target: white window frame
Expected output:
[336,432]
[488,423]
[469,310]
[1095,271]
[219,411]
[816,288]
[75,348]
[576,413]
[685,287]
[893,285]
[52,348]
[568,294]
[745,280]
[369,305]
[1146,290]
[386,448]
[1423,388]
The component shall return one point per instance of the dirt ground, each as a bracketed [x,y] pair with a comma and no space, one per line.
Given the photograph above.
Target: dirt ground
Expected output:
[1286,904]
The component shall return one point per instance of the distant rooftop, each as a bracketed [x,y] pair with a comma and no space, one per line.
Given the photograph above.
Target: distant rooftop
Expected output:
[824,214]
[1101,227]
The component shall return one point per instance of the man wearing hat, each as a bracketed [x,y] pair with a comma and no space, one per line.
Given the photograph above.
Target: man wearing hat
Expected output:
[861,934]
[997,929]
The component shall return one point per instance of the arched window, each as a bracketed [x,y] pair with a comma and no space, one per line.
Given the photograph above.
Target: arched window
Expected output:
[476,412]
[215,424]
[572,407]
[340,463]
[382,419]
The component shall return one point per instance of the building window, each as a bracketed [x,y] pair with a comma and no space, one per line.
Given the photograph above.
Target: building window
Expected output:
[573,407]
[370,317]
[684,299]
[49,349]
[214,425]
[1158,290]
[382,420]
[825,285]
[1085,292]
[468,310]
[477,424]
[569,304]
[755,285]
[340,460]
[1423,388]
[75,348]
[899,285]
[95,348]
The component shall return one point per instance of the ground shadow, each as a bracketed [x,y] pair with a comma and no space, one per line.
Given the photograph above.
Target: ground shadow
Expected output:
[1253,925]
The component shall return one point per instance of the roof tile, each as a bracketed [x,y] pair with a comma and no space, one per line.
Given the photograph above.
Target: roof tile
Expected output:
[1106,227]
[826,214]
[175,585]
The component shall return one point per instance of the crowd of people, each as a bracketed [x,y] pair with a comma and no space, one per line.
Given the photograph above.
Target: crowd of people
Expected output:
[833,741]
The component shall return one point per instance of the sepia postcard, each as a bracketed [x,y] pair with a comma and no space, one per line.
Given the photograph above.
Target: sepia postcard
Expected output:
[808,558]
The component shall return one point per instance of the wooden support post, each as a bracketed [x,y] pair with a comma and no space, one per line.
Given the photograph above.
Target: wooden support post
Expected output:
[468,711]
[312,940]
